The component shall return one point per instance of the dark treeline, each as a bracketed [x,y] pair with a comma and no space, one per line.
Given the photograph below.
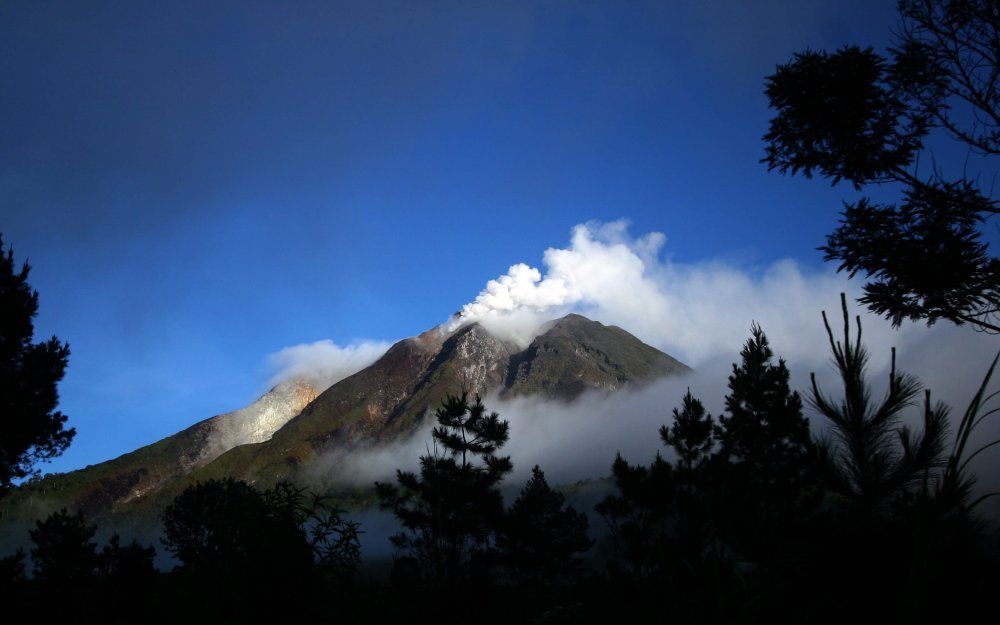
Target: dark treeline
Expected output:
[746,517]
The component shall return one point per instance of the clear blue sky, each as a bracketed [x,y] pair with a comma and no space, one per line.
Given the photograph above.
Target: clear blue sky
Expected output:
[198,186]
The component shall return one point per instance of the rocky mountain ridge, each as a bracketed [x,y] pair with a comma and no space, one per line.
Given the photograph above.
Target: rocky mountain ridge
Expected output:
[276,437]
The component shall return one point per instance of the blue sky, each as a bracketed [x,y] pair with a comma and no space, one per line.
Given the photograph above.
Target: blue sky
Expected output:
[199,186]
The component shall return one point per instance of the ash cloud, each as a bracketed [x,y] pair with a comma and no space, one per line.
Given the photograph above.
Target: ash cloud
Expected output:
[323,363]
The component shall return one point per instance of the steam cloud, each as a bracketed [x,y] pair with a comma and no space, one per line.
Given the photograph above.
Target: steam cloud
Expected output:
[324,363]
[695,312]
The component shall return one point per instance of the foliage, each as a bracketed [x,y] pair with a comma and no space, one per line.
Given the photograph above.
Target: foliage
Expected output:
[540,536]
[955,488]
[862,117]
[838,115]
[64,551]
[659,514]
[765,435]
[12,569]
[31,429]
[870,458]
[924,257]
[228,527]
[690,434]
[130,563]
[639,514]
[333,539]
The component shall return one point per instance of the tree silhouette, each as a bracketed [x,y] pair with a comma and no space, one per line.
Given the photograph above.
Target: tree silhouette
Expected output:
[870,457]
[857,116]
[666,520]
[127,581]
[228,528]
[640,513]
[333,540]
[64,551]
[690,434]
[659,514]
[451,511]
[130,564]
[541,537]
[950,56]
[237,544]
[12,569]
[764,437]
[900,503]
[31,429]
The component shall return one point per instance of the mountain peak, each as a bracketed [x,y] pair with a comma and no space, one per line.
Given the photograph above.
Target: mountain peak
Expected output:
[574,354]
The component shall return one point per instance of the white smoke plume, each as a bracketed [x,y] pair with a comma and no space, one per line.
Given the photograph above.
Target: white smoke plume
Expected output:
[324,363]
[695,312]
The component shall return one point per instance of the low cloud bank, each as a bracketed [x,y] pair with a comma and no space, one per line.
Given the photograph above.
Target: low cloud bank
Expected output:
[578,440]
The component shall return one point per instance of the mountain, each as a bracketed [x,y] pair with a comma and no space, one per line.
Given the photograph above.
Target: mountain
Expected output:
[276,437]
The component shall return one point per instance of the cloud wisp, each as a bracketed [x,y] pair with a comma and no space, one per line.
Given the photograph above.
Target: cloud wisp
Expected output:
[323,363]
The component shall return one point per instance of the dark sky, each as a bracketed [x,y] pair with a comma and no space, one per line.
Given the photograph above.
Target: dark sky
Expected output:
[198,184]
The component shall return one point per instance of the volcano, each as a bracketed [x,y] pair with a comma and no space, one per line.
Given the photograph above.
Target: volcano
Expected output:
[276,437]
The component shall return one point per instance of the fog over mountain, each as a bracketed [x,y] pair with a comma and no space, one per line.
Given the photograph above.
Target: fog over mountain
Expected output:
[575,391]
[301,432]
[700,312]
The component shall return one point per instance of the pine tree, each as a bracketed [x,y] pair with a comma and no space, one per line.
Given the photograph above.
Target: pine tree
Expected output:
[451,510]
[31,429]
[64,550]
[640,515]
[765,436]
[541,536]
[660,513]
[690,434]
[871,458]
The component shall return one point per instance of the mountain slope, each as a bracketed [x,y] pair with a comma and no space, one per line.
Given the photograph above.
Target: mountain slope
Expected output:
[278,436]
[374,404]
[99,488]
[576,354]
[388,398]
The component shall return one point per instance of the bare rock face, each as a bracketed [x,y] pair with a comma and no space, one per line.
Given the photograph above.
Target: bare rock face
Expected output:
[477,358]
[257,422]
